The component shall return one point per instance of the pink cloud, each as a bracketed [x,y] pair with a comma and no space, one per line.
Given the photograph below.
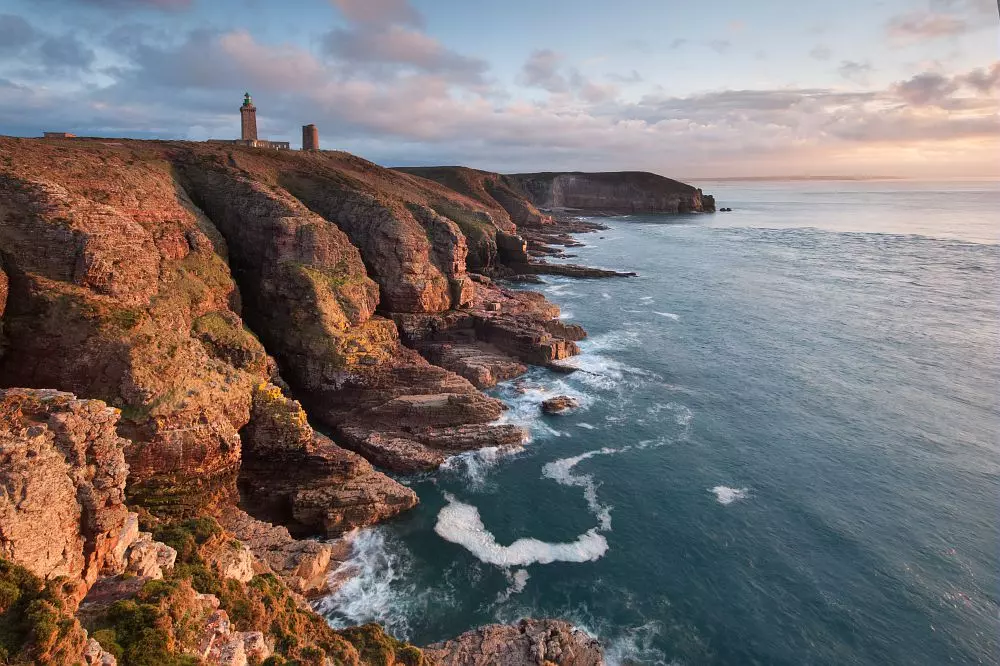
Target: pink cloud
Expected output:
[379,12]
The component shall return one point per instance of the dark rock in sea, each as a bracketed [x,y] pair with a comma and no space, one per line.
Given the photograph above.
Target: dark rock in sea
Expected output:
[559,405]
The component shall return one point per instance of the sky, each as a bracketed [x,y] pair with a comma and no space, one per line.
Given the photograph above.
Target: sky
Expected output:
[714,88]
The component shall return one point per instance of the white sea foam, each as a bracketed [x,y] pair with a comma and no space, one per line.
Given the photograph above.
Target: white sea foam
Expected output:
[635,646]
[566,315]
[372,585]
[518,581]
[585,426]
[476,465]
[726,495]
[524,399]
[561,471]
[461,524]
[668,315]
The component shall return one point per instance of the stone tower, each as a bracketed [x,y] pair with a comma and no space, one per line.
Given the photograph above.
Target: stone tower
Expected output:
[310,137]
[248,116]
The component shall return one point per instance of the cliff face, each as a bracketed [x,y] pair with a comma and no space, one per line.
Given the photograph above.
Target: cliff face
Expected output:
[611,193]
[195,289]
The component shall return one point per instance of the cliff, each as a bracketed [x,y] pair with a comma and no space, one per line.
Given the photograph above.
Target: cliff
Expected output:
[174,318]
[627,192]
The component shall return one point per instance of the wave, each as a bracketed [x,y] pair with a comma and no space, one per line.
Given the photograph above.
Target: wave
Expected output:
[371,585]
[476,465]
[668,315]
[726,495]
[461,524]
[635,646]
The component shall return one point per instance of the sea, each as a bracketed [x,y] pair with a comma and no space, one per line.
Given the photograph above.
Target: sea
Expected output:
[786,450]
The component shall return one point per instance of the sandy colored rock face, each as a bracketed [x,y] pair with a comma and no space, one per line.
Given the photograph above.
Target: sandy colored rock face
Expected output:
[62,477]
[527,643]
[302,564]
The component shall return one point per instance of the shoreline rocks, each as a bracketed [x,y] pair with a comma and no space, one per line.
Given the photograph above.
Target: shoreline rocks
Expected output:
[526,643]
[559,405]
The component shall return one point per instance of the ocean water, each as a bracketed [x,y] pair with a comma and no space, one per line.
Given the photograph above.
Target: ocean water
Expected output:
[787,450]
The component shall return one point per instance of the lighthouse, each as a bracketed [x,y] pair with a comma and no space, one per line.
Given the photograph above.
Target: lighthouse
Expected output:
[248,116]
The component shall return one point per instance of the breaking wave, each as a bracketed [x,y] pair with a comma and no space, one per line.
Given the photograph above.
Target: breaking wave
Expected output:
[726,495]
[371,585]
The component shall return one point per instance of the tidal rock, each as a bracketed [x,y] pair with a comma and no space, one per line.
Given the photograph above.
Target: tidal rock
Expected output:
[527,643]
[559,405]
[481,363]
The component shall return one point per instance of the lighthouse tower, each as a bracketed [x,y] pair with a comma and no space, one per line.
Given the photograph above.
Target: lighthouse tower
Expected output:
[248,116]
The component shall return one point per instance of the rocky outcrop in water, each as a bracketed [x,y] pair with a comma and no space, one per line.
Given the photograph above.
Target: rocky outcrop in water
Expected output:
[527,643]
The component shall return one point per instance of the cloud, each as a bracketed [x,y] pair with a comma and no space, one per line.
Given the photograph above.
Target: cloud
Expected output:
[400,45]
[933,88]
[379,12]
[15,33]
[917,27]
[984,81]
[677,43]
[65,52]
[123,5]
[821,52]
[541,70]
[544,69]
[632,77]
[926,88]
[386,36]
[856,72]
[720,46]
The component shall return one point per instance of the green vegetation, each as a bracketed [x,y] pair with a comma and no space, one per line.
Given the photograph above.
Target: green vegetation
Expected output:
[379,648]
[36,626]
[472,223]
